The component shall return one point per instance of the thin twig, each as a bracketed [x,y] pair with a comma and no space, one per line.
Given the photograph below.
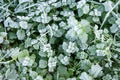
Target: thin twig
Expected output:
[94,2]
[106,16]
[114,14]
[4,56]
[6,62]
[16,11]
[51,31]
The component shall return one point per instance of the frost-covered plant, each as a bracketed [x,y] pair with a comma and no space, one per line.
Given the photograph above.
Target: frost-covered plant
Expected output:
[70,47]
[52,63]
[59,39]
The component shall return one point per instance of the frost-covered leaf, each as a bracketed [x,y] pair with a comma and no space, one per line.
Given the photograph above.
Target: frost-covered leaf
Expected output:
[112,20]
[85,9]
[10,23]
[52,63]
[11,74]
[85,64]
[59,33]
[117,49]
[23,54]
[96,70]
[100,45]
[42,54]
[107,77]
[3,34]
[72,21]
[27,60]
[96,19]
[15,53]
[82,55]
[39,78]
[23,18]
[80,12]
[23,24]
[92,49]
[85,76]
[1,39]
[33,74]
[70,47]
[108,5]
[83,38]
[20,34]
[97,32]
[81,3]
[36,46]
[28,42]
[114,28]
[117,21]
[45,18]
[71,78]
[42,63]
[64,59]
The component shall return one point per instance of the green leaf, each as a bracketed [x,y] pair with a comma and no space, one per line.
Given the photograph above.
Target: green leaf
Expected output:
[62,69]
